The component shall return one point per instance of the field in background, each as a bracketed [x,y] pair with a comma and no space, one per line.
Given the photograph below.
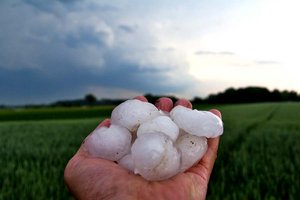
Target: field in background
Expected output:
[21,114]
[258,155]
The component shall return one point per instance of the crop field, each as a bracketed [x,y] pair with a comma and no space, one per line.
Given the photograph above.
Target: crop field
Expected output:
[259,153]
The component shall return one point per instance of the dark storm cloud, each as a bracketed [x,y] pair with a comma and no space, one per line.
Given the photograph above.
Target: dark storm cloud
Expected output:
[59,7]
[67,47]
[52,5]
[47,85]
[133,76]
[86,35]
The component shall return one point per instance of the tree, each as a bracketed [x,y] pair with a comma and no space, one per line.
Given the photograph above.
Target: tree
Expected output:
[90,98]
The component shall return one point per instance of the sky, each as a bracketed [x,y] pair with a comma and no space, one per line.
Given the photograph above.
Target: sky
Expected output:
[62,49]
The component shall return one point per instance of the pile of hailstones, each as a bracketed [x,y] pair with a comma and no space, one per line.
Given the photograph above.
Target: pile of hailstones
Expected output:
[153,143]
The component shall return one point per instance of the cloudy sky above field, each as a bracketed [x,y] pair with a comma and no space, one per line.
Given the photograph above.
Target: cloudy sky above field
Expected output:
[52,50]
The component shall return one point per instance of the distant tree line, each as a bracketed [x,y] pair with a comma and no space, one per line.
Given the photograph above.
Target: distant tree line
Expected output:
[88,100]
[249,95]
[91,100]
[240,95]
[230,95]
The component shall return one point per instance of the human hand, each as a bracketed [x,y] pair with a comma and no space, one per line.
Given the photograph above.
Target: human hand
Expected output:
[88,177]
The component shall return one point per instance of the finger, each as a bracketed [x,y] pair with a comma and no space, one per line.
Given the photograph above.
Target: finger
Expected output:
[210,156]
[141,98]
[105,122]
[212,144]
[216,112]
[164,103]
[184,102]
[82,151]
[206,164]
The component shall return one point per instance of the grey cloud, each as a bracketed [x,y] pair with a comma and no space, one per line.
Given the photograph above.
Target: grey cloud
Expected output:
[52,5]
[267,62]
[127,28]
[200,52]
[56,7]
[60,7]
[57,82]
[34,40]
[170,49]
[226,53]
[144,79]
[87,35]
[50,57]
[105,8]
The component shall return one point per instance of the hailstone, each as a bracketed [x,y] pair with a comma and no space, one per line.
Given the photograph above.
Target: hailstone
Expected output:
[195,122]
[109,143]
[130,114]
[127,162]
[162,124]
[192,148]
[155,156]
[152,143]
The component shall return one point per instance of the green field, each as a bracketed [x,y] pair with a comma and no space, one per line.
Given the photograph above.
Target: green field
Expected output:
[20,114]
[259,154]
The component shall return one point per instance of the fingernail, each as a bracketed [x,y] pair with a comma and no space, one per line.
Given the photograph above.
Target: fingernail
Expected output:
[141,98]
[164,103]
[105,122]
[185,103]
[216,112]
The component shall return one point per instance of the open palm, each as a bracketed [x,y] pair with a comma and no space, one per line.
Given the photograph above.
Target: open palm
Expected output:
[93,178]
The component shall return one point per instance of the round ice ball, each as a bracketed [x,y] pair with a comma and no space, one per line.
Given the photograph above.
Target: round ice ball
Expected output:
[161,124]
[155,157]
[109,143]
[199,123]
[127,162]
[131,113]
[192,149]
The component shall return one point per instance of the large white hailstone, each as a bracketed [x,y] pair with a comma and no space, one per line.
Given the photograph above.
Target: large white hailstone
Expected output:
[164,113]
[192,149]
[131,113]
[199,123]
[161,124]
[127,162]
[109,143]
[155,157]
